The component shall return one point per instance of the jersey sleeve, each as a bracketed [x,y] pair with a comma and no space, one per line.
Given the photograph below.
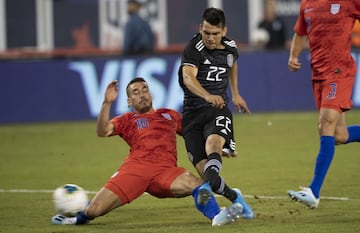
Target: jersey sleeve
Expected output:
[191,56]
[300,26]
[120,124]
[233,48]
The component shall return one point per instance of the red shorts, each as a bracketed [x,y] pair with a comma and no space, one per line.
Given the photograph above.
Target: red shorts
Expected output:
[333,93]
[135,177]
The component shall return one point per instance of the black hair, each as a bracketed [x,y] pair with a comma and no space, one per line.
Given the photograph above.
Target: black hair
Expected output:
[214,16]
[134,80]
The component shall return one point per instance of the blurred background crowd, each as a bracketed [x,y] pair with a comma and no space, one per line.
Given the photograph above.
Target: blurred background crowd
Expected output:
[93,27]
[98,27]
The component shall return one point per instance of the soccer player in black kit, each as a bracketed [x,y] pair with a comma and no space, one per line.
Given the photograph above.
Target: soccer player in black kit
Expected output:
[208,65]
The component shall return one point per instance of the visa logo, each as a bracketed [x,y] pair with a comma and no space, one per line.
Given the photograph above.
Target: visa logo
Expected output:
[169,96]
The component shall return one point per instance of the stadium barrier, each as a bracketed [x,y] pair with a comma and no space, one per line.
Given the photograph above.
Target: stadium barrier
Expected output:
[72,89]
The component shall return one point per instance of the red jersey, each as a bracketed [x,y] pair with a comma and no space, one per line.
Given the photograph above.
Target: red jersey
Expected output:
[328,25]
[151,136]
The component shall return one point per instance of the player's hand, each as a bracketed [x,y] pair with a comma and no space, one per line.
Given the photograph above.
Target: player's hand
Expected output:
[294,64]
[229,153]
[216,101]
[240,104]
[111,92]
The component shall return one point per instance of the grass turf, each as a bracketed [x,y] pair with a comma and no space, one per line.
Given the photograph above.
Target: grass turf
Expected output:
[276,153]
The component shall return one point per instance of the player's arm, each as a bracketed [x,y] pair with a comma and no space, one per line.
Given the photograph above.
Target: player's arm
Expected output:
[191,83]
[297,45]
[104,127]
[237,100]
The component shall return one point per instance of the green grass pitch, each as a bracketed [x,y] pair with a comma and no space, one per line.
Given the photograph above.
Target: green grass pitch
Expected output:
[276,153]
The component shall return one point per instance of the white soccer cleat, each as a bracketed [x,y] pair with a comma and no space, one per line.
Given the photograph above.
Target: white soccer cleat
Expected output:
[62,220]
[228,215]
[305,196]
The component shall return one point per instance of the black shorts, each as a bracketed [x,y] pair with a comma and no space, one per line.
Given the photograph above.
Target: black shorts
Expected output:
[198,125]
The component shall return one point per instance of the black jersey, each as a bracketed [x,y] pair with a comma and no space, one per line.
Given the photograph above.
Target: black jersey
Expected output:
[213,70]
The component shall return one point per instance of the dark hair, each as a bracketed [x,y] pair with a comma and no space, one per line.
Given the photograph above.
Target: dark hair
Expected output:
[214,16]
[134,80]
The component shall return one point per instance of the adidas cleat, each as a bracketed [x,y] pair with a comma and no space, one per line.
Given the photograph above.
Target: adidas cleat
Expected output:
[305,196]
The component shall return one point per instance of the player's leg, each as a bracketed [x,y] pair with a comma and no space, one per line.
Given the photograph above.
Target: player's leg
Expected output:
[193,126]
[212,168]
[310,196]
[354,133]
[178,182]
[103,202]
[210,207]
[193,133]
[220,133]
[346,134]
[184,183]
[187,183]
[328,119]
[341,131]
[218,130]
[330,103]
[200,166]
[196,151]
[127,184]
[335,100]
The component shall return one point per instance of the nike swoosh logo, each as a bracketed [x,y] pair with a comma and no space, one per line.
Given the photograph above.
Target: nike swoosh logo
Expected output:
[308,10]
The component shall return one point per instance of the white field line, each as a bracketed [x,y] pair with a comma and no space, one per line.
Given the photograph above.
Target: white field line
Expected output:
[94,192]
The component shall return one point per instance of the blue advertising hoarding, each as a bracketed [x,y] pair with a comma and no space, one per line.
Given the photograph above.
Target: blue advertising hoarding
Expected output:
[73,89]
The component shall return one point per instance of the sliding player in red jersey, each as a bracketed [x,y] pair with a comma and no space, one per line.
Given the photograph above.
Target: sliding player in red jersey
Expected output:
[151,165]
[327,25]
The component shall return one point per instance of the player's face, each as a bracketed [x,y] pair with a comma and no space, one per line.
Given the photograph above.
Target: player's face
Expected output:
[212,35]
[139,97]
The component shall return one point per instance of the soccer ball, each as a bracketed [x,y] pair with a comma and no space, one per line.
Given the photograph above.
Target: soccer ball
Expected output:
[69,199]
